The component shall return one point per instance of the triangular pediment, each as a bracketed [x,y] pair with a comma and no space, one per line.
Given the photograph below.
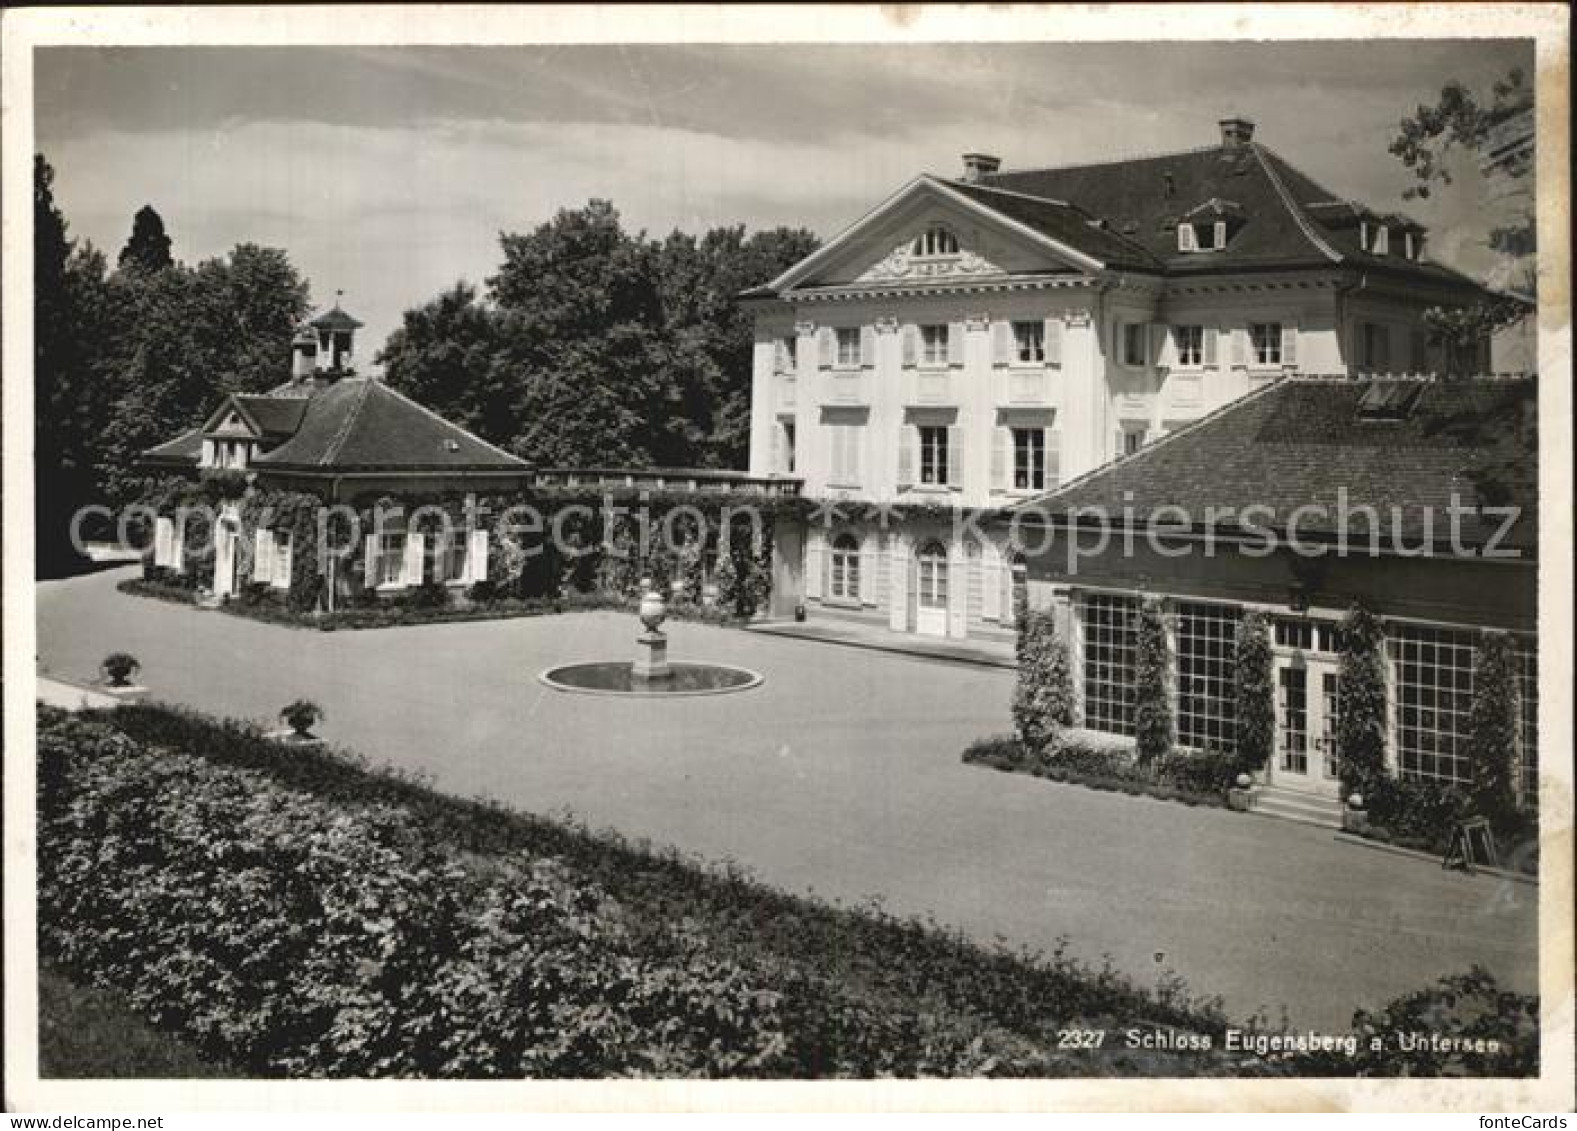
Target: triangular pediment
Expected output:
[231,420]
[928,232]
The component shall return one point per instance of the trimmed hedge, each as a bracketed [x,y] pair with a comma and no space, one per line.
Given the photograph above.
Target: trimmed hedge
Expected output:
[1201,778]
[301,915]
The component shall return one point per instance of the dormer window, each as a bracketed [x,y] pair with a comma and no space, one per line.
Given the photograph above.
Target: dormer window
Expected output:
[1411,244]
[1202,235]
[935,241]
[1382,240]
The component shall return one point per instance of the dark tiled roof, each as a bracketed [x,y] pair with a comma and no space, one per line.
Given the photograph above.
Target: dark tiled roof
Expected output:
[1143,199]
[335,319]
[1064,223]
[186,448]
[359,423]
[1300,441]
[275,414]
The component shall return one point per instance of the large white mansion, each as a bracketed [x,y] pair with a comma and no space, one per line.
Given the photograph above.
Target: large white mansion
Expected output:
[972,342]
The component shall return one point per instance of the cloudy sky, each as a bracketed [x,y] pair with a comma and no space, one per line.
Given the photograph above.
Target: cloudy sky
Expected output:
[389,172]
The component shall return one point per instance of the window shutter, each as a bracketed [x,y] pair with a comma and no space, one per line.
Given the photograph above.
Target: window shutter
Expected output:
[412,574]
[1239,347]
[955,456]
[1002,343]
[826,342]
[163,535]
[957,592]
[1053,459]
[1289,344]
[911,346]
[1054,342]
[1118,440]
[991,581]
[1002,440]
[777,447]
[898,586]
[1185,238]
[867,346]
[476,559]
[1221,234]
[867,588]
[1420,352]
[1155,340]
[284,563]
[262,555]
[852,435]
[1210,333]
[813,569]
[370,562]
[955,343]
[906,434]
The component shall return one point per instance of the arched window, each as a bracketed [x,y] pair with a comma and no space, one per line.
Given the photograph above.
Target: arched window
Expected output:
[931,576]
[845,582]
[936,240]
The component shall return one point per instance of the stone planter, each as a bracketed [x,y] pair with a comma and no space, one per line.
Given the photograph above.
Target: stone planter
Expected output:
[1354,820]
[1240,800]
[126,693]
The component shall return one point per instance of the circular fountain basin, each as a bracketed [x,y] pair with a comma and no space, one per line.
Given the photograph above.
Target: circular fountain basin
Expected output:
[619,678]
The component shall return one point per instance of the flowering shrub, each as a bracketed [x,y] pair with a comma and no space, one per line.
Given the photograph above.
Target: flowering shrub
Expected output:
[1195,777]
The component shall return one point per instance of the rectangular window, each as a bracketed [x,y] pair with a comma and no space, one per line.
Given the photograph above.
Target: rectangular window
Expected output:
[1376,348]
[456,552]
[1529,656]
[279,572]
[1206,675]
[846,441]
[933,454]
[1029,341]
[848,346]
[1110,635]
[1382,240]
[1190,346]
[1133,343]
[933,345]
[1029,459]
[788,447]
[1133,440]
[1265,340]
[1434,690]
[784,355]
[391,557]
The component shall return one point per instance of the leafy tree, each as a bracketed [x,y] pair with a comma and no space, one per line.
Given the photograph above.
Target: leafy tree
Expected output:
[1360,699]
[443,355]
[71,325]
[1152,686]
[594,346]
[1255,693]
[1461,122]
[1043,695]
[148,248]
[1494,727]
[193,335]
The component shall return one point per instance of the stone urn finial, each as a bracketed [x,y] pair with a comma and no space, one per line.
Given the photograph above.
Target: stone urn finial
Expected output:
[653,611]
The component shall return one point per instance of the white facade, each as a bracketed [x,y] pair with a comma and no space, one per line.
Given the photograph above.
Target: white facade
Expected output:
[939,356]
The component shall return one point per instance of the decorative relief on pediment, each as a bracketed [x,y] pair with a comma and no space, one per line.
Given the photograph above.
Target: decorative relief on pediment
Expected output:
[903,265]
[887,324]
[804,328]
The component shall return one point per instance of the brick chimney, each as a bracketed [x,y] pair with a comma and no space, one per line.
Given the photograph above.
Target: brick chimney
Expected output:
[1236,132]
[977,165]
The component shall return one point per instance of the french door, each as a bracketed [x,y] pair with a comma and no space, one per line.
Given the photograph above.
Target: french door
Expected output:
[931,590]
[1305,757]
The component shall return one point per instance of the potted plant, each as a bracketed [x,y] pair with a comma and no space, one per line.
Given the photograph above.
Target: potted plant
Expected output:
[1241,796]
[1355,818]
[118,668]
[301,716]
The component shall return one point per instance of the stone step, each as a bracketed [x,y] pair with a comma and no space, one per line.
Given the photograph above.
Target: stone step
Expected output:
[1293,806]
